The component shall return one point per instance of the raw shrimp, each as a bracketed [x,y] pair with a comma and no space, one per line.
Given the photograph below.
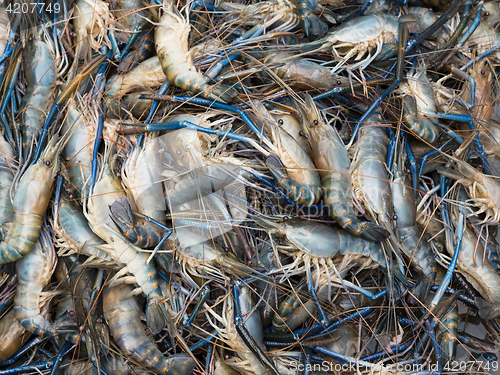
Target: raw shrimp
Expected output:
[369,172]
[332,160]
[80,146]
[30,202]
[41,76]
[171,38]
[35,271]
[414,243]
[290,166]
[147,75]
[122,314]
[74,236]
[106,191]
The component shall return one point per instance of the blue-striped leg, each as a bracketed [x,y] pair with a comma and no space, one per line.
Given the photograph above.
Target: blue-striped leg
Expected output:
[477,143]
[66,348]
[204,294]
[247,338]
[208,103]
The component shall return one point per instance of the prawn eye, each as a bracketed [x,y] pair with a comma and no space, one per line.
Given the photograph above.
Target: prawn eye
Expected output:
[178,152]
[286,218]
[483,72]
[395,217]
[315,122]
[339,82]
[487,14]
[280,121]
[30,38]
[47,163]
[226,249]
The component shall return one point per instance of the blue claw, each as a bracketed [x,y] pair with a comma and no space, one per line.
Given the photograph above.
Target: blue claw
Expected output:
[21,352]
[231,54]
[391,149]
[247,338]
[481,56]
[203,343]
[208,360]
[28,368]
[154,106]
[437,349]
[67,347]
[204,294]
[217,105]
[472,27]
[451,268]
[306,362]
[413,166]
[205,5]
[479,147]
[360,11]
[57,198]
[6,100]
[393,349]
[428,155]
[323,319]
[119,55]
[338,356]
[314,329]
[97,143]
[189,125]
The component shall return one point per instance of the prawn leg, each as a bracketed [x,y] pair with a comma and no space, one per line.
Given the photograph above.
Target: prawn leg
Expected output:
[204,294]
[186,125]
[161,91]
[451,268]
[255,31]
[66,348]
[468,119]
[323,319]
[97,143]
[315,329]
[136,32]
[247,338]
[11,79]
[208,103]
[472,62]
[21,352]
[393,349]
